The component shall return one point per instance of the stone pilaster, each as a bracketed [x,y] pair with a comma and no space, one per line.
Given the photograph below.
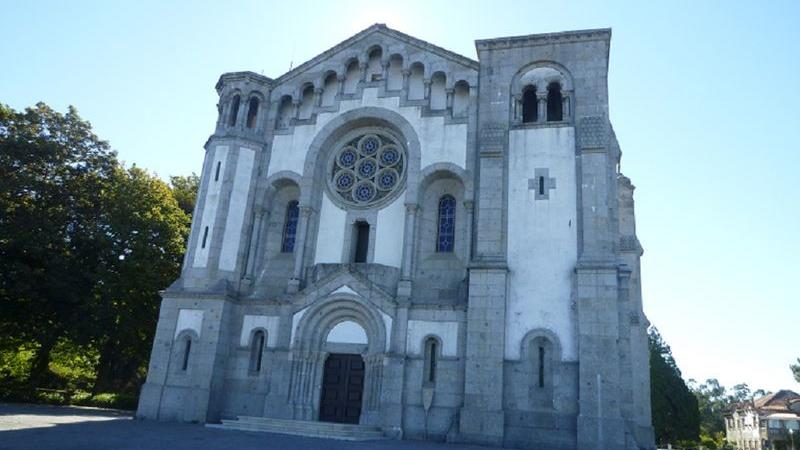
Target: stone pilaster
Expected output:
[299,249]
[600,424]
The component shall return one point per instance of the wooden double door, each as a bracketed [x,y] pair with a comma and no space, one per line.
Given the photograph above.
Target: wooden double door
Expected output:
[342,388]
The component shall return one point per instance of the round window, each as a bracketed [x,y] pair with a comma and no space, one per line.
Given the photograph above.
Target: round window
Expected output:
[367,168]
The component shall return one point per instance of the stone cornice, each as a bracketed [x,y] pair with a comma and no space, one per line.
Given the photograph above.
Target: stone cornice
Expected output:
[231,77]
[598,34]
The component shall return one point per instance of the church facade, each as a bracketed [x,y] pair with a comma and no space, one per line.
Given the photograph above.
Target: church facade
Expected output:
[395,235]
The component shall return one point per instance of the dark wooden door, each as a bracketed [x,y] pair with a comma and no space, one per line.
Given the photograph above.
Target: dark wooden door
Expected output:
[342,388]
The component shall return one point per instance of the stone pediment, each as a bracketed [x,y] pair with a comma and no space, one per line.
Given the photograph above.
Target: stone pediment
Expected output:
[358,43]
[349,284]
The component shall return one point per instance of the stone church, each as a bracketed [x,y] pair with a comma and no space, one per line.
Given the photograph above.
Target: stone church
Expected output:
[395,236]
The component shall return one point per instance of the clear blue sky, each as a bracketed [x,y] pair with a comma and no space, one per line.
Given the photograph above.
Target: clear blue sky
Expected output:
[704,98]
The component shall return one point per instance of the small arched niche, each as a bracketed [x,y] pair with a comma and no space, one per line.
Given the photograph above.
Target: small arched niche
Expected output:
[374,65]
[461,99]
[416,82]
[395,73]
[438,94]
[306,103]
[329,89]
[351,77]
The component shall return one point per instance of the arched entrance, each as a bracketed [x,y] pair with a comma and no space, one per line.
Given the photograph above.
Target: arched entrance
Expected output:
[337,357]
[343,374]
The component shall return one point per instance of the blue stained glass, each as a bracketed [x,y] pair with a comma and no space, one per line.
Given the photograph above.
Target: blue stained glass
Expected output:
[290,227]
[347,158]
[364,192]
[446,224]
[370,145]
[367,168]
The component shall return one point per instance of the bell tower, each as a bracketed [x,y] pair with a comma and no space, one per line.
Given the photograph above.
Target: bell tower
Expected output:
[218,241]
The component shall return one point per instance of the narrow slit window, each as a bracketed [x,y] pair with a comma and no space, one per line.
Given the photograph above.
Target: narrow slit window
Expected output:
[257,351]
[290,227]
[186,350]
[216,173]
[205,237]
[361,242]
[431,361]
[541,367]
[446,224]
[541,185]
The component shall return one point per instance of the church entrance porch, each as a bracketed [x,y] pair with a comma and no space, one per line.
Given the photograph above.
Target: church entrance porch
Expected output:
[342,388]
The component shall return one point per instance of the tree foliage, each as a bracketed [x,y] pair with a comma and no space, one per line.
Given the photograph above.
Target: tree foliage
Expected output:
[184,189]
[675,410]
[796,370]
[85,245]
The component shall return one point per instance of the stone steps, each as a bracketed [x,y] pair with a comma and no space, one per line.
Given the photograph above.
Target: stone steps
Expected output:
[344,431]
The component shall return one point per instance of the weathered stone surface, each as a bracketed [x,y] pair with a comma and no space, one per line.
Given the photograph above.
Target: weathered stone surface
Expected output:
[521,295]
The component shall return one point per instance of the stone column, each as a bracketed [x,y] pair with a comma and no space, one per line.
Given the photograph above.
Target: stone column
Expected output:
[565,103]
[449,103]
[295,109]
[317,97]
[516,109]
[385,70]
[299,249]
[409,236]
[255,241]
[541,102]
[340,84]
[427,91]
[469,205]
[406,77]
[363,67]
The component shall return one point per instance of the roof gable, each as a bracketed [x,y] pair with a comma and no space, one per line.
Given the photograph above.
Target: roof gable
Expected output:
[382,29]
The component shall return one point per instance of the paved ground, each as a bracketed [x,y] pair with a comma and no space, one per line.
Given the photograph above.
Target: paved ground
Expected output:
[41,427]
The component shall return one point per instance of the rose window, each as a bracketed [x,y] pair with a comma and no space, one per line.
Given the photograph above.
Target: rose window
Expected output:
[367,168]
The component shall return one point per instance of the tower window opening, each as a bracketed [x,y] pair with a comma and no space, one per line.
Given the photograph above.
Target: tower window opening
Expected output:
[554,103]
[541,185]
[530,110]
[252,112]
[234,110]
[216,173]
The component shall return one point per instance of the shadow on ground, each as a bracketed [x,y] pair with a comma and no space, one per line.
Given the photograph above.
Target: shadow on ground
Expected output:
[40,427]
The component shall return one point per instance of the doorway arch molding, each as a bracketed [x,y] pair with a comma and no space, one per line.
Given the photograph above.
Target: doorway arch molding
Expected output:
[321,317]
[308,355]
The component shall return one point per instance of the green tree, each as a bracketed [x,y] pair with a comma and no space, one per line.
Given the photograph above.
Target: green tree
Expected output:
[675,411]
[184,189]
[53,173]
[85,246]
[142,250]
[796,370]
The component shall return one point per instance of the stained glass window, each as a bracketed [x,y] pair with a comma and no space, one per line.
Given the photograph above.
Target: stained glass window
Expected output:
[290,227]
[446,224]
[367,168]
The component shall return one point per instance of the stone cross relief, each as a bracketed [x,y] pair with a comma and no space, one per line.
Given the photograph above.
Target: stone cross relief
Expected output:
[541,184]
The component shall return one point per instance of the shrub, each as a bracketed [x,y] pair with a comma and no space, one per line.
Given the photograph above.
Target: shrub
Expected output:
[51,397]
[82,398]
